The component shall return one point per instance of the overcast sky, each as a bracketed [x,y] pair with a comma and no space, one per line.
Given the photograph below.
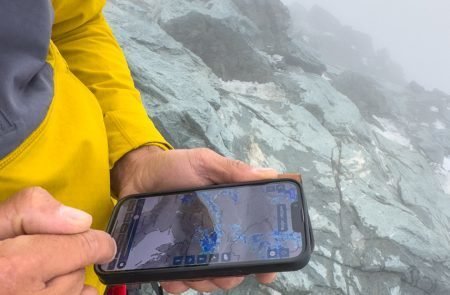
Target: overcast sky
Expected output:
[416,33]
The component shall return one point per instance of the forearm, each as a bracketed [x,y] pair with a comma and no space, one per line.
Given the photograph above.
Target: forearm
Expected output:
[123,173]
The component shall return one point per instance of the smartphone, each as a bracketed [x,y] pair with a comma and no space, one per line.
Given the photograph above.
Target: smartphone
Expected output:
[221,230]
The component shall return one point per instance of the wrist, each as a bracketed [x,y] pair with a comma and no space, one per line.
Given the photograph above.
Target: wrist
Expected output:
[126,166]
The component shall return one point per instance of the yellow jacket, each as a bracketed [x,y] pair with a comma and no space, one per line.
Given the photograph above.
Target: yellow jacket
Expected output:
[75,111]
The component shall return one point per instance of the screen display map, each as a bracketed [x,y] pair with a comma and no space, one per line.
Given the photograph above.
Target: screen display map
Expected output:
[226,225]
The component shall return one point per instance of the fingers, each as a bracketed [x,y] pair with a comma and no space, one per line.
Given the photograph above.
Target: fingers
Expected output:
[219,169]
[228,283]
[72,283]
[35,211]
[181,169]
[266,278]
[55,255]
[174,287]
[202,286]
[178,287]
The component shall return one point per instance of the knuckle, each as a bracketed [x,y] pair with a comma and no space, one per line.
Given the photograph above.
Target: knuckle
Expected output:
[95,247]
[203,157]
[236,163]
[33,196]
[204,154]
[33,192]
[89,243]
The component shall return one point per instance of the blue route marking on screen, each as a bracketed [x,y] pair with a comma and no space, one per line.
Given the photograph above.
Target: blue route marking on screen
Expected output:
[187,199]
[208,240]
[215,213]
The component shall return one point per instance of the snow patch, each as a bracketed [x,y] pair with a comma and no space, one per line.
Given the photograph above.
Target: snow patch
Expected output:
[319,268]
[395,290]
[334,206]
[324,251]
[357,238]
[338,257]
[446,164]
[394,263]
[276,58]
[339,278]
[444,175]
[355,163]
[357,283]
[325,77]
[265,91]
[255,155]
[257,158]
[391,132]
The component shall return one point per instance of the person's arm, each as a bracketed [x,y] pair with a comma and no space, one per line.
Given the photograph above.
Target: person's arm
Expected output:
[86,42]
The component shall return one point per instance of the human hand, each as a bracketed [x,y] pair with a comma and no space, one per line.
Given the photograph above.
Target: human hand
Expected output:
[149,169]
[45,246]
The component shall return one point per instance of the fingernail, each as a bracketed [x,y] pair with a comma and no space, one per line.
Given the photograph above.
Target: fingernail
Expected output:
[264,170]
[115,248]
[74,214]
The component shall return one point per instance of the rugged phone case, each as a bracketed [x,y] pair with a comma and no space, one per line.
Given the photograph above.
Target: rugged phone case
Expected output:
[205,271]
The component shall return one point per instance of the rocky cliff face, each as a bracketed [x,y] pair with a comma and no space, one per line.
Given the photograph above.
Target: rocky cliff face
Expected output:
[375,153]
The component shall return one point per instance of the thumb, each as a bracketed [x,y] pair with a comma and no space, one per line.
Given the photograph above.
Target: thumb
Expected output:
[220,169]
[35,211]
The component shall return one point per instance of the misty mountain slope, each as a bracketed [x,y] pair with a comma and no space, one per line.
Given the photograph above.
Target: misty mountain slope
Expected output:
[375,153]
[339,45]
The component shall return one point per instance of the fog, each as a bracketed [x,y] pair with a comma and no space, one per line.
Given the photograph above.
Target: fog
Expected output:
[416,33]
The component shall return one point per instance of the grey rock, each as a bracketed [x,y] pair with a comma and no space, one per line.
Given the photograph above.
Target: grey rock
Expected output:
[375,154]
[364,93]
[230,57]
[273,21]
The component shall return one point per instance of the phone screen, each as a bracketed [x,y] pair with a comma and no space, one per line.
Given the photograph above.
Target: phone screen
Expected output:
[249,223]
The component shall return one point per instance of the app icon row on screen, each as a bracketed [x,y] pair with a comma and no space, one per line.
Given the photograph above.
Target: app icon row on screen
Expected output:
[278,253]
[201,259]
